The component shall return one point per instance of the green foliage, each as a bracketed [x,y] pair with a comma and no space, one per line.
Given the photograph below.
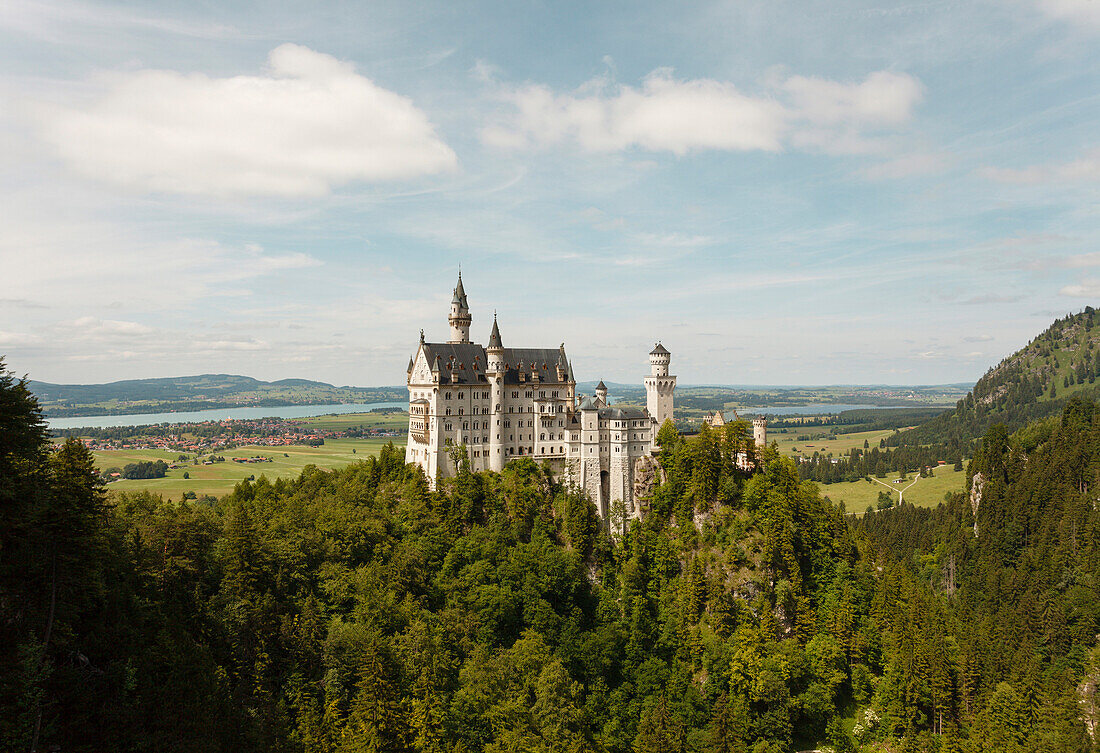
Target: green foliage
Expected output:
[358,610]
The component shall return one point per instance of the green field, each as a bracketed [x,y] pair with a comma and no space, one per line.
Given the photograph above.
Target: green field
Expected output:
[786,440]
[923,492]
[287,462]
[336,422]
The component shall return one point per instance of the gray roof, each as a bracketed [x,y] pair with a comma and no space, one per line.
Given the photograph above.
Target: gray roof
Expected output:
[659,350]
[619,414]
[468,360]
[601,386]
[589,403]
[460,294]
[494,336]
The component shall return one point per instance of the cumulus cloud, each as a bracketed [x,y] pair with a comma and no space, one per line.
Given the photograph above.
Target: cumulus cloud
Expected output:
[308,124]
[16,338]
[1085,169]
[88,326]
[681,116]
[1083,12]
[1088,288]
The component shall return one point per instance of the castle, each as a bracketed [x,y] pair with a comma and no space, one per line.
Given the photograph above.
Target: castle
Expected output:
[498,404]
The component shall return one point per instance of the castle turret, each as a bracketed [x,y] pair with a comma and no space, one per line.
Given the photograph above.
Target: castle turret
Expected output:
[460,318]
[760,432]
[659,386]
[494,373]
[601,393]
[590,460]
[494,351]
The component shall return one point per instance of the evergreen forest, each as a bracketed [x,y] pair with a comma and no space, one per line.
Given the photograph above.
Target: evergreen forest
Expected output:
[358,610]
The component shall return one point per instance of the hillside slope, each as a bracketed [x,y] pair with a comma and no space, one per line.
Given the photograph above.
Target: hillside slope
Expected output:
[195,393]
[1034,382]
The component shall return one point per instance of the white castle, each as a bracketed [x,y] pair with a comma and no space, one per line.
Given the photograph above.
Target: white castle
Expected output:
[499,403]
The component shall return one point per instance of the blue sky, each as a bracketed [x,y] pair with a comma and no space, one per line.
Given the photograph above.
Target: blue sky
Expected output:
[786,193]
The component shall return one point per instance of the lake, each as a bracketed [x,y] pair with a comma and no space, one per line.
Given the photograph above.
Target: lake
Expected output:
[217,414]
[816,409]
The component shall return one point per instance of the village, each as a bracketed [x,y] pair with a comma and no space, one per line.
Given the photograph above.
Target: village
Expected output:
[208,436]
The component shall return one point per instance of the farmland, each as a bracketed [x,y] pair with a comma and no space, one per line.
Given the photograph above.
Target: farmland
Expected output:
[286,461]
[925,492]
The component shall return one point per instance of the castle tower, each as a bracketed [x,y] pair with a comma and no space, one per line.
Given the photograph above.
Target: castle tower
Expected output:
[760,432]
[494,372]
[460,315]
[591,464]
[601,392]
[659,386]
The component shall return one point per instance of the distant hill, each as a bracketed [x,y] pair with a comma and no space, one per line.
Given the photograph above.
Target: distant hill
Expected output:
[197,393]
[1034,382]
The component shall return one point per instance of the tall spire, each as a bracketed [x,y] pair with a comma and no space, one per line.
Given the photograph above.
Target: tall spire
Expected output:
[460,295]
[494,336]
[460,318]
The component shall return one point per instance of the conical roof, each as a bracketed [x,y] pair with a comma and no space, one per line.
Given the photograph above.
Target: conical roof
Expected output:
[659,350]
[410,365]
[460,294]
[601,386]
[494,336]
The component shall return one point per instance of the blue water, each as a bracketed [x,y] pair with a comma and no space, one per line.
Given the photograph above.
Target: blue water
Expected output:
[810,409]
[305,411]
[217,414]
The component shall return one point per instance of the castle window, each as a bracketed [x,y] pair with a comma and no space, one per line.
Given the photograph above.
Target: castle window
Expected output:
[515,394]
[542,393]
[554,393]
[448,411]
[465,425]
[460,396]
[446,395]
[542,437]
[527,394]
[460,411]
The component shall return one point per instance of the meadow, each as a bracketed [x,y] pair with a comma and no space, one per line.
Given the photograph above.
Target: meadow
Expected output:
[925,492]
[287,461]
[822,442]
[857,495]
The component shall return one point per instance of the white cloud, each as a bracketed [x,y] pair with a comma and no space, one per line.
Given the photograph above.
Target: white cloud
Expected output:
[1081,261]
[221,345]
[308,124]
[882,99]
[88,326]
[978,339]
[1085,169]
[681,116]
[16,338]
[1088,288]
[1083,12]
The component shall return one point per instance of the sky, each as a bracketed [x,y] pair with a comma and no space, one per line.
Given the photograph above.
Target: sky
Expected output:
[781,192]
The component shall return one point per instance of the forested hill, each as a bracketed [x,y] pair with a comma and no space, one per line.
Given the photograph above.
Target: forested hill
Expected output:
[1019,595]
[1035,382]
[196,393]
[356,610]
